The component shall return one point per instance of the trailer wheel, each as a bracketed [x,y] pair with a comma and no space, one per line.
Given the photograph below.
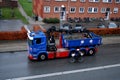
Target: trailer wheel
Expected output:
[91,52]
[42,57]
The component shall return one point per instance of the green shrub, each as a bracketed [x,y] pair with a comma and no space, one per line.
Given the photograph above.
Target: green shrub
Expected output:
[51,20]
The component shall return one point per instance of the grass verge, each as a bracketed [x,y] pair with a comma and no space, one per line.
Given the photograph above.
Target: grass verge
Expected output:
[7,14]
[27,6]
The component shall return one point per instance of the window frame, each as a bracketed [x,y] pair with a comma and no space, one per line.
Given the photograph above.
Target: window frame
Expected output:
[46,10]
[72,11]
[46,0]
[81,11]
[82,0]
[73,0]
[116,9]
[60,0]
[94,1]
[106,1]
[93,9]
[55,9]
[117,2]
[104,10]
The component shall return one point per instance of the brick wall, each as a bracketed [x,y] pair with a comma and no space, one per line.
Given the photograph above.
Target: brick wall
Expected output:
[37,7]
[39,4]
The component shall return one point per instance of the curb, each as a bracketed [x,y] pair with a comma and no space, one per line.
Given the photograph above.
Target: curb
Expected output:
[12,51]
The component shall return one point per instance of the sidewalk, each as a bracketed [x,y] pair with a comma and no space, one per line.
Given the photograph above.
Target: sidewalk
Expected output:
[21,45]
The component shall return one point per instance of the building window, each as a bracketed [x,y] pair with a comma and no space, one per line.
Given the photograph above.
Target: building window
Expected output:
[81,10]
[56,9]
[117,1]
[103,10]
[47,0]
[72,9]
[107,1]
[73,0]
[115,10]
[60,0]
[47,9]
[92,10]
[93,0]
[82,0]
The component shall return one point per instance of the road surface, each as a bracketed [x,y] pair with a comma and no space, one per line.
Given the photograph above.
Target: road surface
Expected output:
[105,65]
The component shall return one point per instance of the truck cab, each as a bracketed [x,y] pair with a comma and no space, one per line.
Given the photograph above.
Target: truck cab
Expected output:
[37,45]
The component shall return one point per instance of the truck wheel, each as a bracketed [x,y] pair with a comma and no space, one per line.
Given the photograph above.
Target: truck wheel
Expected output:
[80,59]
[72,60]
[91,52]
[42,57]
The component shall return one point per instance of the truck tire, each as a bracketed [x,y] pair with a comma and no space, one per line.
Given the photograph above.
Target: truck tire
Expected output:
[72,60]
[91,52]
[42,57]
[80,59]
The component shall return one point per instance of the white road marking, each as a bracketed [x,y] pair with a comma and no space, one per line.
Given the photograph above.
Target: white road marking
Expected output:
[66,72]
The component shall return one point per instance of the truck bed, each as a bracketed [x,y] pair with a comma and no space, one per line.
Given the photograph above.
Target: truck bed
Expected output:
[77,40]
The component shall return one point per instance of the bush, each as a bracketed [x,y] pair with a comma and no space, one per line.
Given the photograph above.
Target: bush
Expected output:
[51,20]
[105,31]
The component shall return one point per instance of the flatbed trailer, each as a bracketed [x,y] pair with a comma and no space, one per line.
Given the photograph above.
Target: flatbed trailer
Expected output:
[87,44]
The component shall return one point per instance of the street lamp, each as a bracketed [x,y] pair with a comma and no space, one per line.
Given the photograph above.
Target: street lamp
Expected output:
[61,14]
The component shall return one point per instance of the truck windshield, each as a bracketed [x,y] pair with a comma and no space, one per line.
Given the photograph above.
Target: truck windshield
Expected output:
[30,42]
[38,40]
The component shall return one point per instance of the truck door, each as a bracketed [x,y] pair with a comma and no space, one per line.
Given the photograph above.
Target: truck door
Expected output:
[40,44]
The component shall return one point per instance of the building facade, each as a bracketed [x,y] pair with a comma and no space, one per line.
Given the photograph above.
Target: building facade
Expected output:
[76,8]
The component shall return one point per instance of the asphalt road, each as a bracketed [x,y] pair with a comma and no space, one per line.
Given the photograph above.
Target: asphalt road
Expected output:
[105,65]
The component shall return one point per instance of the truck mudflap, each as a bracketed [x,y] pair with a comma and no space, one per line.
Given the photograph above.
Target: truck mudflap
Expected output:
[60,53]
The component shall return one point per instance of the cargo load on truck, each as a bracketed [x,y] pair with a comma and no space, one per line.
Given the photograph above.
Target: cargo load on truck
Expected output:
[80,40]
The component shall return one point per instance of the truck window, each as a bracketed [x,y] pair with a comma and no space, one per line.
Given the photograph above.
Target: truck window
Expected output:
[38,40]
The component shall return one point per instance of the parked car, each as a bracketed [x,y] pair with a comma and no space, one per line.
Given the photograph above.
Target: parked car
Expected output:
[70,20]
[112,25]
[100,25]
[78,28]
[76,20]
[65,28]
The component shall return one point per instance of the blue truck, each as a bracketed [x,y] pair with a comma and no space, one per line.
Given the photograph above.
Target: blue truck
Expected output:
[42,47]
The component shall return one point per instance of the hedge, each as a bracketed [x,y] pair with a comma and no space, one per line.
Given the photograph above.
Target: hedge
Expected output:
[105,31]
[14,35]
[22,35]
[18,35]
[51,20]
